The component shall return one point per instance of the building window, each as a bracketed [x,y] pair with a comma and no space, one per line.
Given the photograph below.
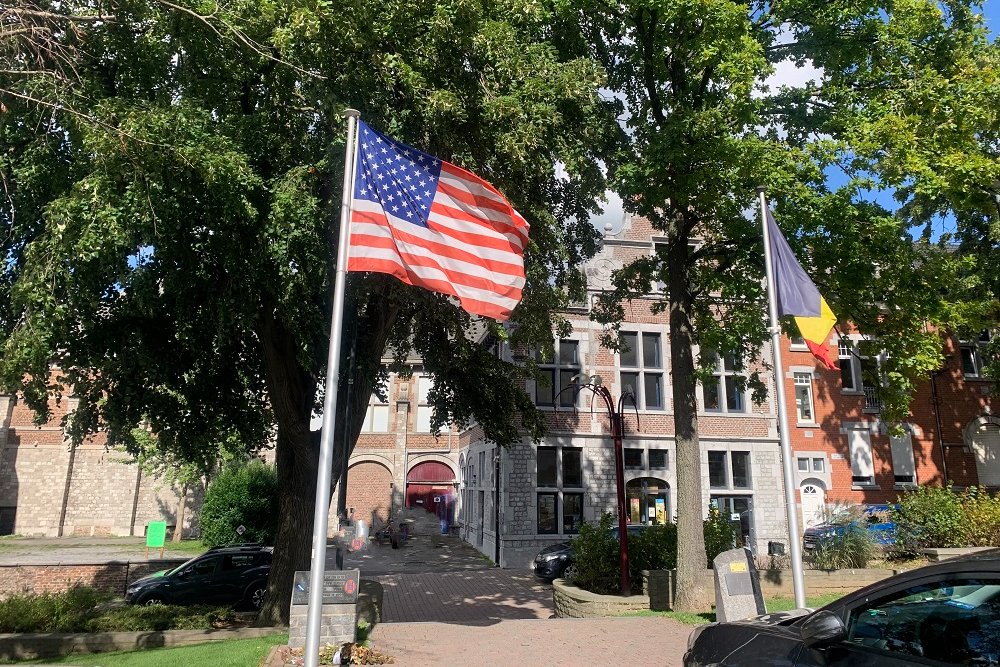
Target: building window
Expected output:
[804,397]
[797,344]
[658,459]
[741,470]
[633,459]
[729,470]
[722,393]
[862,466]
[819,465]
[717,470]
[845,358]
[425,383]
[803,465]
[641,368]
[377,415]
[557,372]
[972,358]
[903,468]
[559,483]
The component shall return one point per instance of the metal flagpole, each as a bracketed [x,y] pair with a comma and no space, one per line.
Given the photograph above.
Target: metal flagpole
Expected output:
[787,473]
[323,473]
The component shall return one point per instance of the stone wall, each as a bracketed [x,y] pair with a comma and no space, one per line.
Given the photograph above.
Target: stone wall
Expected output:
[573,602]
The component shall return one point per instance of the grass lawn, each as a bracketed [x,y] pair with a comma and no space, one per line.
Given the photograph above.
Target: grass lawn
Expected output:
[771,604]
[233,653]
[190,547]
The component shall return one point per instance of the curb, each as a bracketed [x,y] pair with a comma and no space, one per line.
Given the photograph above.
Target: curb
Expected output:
[29,646]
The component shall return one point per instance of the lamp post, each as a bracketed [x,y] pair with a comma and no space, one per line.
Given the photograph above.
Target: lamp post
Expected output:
[596,386]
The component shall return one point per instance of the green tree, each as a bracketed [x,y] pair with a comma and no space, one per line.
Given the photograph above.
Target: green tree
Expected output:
[905,100]
[171,216]
[242,494]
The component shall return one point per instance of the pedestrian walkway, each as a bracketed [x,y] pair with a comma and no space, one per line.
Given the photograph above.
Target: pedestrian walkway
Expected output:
[472,597]
[575,642]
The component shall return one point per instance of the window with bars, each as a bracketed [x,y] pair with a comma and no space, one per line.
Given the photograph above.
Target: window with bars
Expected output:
[722,392]
[557,372]
[559,485]
[641,367]
[633,459]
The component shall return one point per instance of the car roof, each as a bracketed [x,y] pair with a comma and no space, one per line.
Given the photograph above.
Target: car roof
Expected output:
[249,547]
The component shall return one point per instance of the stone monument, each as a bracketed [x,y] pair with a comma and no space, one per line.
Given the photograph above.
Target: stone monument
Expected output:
[737,586]
[339,616]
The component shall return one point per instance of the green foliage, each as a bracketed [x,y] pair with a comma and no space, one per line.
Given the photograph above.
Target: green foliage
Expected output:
[62,612]
[654,548]
[853,548]
[595,550]
[595,557]
[242,494]
[84,609]
[720,535]
[230,653]
[929,516]
[939,517]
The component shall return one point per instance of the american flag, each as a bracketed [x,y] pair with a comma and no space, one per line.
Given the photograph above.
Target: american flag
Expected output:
[436,226]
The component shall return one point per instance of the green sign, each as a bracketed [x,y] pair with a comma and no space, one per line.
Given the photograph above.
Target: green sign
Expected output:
[156,534]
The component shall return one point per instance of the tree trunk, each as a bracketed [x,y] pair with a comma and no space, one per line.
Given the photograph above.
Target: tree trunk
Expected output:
[690,532]
[296,467]
[179,515]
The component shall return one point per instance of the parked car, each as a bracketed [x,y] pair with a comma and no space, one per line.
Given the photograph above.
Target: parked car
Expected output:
[874,518]
[942,614]
[232,575]
[553,561]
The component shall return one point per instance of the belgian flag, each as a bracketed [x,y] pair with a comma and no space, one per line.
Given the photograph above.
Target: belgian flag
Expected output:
[798,297]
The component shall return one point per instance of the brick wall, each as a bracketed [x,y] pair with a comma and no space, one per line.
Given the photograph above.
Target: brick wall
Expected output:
[111,577]
[369,491]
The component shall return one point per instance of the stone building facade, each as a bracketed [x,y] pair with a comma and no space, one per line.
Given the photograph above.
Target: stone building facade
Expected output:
[547,490]
[48,488]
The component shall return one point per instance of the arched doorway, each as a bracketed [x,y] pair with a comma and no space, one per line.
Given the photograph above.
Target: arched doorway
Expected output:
[369,491]
[984,440]
[431,485]
[648,501]
[813,503]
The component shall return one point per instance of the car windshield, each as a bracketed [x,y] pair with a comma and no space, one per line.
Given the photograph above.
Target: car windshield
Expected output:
[182,566]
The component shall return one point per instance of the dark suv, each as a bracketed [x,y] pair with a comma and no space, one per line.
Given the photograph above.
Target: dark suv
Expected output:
[233,575]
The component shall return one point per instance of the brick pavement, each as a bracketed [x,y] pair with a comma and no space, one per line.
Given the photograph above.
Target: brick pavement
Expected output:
[464,597]
[547,643]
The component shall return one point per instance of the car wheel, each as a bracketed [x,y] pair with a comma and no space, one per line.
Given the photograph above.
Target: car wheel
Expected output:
[569,574]
[255,596]
[153,600]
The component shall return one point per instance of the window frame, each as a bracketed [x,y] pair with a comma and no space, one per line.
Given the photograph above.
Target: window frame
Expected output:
[424,412]
[375,403]
[555,368]
[802,380]
[720,375]
[560,490]
[641,371]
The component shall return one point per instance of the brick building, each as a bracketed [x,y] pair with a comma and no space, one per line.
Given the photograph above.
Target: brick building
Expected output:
[845,454]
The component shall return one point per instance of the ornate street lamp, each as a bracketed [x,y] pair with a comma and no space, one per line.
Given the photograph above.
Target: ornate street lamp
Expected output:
[596,386]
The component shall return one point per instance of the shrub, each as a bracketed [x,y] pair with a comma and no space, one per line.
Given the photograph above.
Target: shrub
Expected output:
[938,517]
[595,551]
[595,557]
[244,494]
[982,518]
[159,617]
[853,548]
[720,535]
[61,612]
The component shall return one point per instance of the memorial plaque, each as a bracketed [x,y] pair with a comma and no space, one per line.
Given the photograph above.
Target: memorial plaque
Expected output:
[339,586]
[737,586]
